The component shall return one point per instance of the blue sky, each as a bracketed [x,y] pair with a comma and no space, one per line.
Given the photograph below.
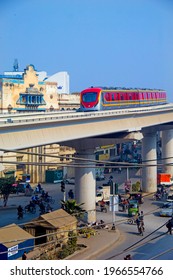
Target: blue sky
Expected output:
[126,43]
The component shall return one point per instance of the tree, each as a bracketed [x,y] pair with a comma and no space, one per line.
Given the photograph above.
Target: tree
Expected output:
[71,207]
[6,188]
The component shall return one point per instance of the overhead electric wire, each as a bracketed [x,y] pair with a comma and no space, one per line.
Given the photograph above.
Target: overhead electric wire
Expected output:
[162,253]
[32,222]
[136,244]
[125,165]
[122,164]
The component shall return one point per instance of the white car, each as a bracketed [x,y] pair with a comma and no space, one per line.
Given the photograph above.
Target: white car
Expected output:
[166,211]
[99,197]
[70,181]
[170,196]
[99,190]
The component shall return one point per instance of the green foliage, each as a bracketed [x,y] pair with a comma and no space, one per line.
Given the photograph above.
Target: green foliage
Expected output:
[70,247]
[72,239]
[136,187]
[6,185]
[71,207]
[63,253]
[87,231]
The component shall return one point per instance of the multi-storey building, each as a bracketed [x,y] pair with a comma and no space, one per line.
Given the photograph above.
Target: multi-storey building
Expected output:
[32,91]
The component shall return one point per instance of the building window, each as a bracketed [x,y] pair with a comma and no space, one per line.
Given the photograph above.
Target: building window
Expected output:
[19,158]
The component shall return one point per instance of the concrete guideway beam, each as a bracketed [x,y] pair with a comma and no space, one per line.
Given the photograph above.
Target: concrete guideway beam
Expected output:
[167,151]
[35,132]
[149,156]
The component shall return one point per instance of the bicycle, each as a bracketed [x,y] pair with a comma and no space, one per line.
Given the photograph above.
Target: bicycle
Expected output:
[131,221]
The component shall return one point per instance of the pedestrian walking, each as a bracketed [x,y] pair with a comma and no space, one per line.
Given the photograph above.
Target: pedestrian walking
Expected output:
[39,187]
[169,225]
[71,194]
[138,222]
[141,217]
[20,212]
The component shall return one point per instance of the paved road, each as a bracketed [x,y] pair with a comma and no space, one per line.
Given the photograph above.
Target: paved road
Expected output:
[151,247]
[129,234]
[9,214]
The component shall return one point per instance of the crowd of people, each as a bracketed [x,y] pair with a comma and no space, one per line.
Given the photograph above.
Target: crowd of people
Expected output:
[41,201]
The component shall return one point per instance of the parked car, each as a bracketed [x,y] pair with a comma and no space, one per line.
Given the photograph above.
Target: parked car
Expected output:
[99,189]
[70,181]
[99,197]
[170,196]
[166,211]
[166,205]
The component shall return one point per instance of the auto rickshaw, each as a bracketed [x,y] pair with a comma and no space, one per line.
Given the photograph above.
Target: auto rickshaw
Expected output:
[133,208]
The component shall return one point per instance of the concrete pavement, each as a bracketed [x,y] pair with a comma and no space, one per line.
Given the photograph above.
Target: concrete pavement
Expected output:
[103,240]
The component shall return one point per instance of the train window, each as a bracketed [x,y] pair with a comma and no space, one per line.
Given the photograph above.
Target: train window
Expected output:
[121,96]
[89,96]
[141,96]
[107,96]
[113,96]
[133,95]
[126,96]
[136,95]
[130,97]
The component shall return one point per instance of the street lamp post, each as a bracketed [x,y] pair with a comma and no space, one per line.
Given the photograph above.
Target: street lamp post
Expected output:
[113,203]
[127,174]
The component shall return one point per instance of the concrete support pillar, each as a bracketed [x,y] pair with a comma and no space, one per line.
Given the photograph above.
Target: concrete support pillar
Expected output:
[167,151]
[149,157]
[85,185]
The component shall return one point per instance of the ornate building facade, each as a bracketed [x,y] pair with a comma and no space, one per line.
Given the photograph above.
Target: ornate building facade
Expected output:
[30,91]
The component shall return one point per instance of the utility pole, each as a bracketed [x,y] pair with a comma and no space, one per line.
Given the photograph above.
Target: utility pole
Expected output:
[113,206]
[113,200]
[127,174]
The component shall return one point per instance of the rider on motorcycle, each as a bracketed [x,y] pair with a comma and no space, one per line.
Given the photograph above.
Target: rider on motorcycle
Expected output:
[102,205]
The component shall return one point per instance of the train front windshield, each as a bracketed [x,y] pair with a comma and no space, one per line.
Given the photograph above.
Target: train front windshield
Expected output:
[89,97]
